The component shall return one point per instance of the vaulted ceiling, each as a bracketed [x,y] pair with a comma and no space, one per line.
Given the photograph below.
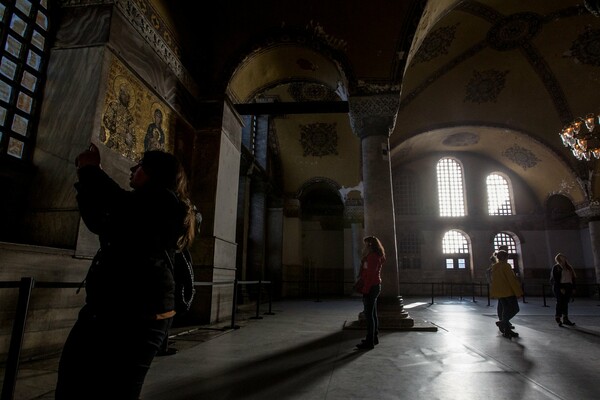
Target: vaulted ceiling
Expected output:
[496,78]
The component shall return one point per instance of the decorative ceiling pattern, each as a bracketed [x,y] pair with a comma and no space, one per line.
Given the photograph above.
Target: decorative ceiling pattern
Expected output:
[436,44]
[521,156]
[485,86]
[508,32]
[461,139]
[319,139]
[586,49]
[301,91]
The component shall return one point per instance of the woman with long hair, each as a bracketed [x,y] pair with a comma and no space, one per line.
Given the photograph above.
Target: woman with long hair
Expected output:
[563,287]
[129,287]
[370,275]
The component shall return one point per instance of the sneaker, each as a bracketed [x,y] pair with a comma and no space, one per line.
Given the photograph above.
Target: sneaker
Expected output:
[499,325]
[376,341]
[558,321]
[510,334]
[365,346]
[568,322]
[168,352]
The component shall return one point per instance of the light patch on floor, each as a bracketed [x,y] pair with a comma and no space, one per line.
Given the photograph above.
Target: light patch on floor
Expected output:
[413,305]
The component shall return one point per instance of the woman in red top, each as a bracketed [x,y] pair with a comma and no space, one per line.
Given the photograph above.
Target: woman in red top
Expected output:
[370,274]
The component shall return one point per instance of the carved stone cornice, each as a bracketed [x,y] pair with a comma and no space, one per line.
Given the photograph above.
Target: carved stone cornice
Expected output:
[373,115]
[151,27]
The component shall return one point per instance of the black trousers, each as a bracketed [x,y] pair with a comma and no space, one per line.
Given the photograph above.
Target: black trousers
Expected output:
[107,358]
[370,312]
[563,299]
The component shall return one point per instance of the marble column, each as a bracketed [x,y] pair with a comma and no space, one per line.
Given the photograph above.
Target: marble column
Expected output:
[592,214]
[372,119]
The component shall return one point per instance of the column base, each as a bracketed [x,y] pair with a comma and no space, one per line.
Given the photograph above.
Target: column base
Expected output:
[392,316]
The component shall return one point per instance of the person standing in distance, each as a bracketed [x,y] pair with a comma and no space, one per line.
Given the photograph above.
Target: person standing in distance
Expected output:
[563,287]
[370,274]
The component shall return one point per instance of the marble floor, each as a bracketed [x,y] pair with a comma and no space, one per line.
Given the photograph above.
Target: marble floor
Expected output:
[304,352]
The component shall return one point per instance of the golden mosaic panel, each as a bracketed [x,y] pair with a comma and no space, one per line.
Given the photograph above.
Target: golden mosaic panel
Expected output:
[134,120]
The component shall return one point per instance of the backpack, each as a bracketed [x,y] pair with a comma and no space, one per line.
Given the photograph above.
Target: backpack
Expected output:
[183,274]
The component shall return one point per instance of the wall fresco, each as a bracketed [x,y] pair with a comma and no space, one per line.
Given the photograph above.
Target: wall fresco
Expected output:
[134,120]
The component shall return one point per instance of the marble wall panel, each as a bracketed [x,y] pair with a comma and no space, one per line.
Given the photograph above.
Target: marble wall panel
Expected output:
[225,254]
[83,26]
[65,126]
[227,190]
[52,311]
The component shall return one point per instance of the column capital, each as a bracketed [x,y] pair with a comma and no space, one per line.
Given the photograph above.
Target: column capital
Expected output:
[373,115]
[591,210]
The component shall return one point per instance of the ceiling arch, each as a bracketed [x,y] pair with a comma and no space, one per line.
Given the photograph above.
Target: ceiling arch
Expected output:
[512,73]
[282,64]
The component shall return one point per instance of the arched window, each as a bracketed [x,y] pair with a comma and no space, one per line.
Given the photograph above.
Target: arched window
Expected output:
[499,195]
[455,245]
[505,239]
[450,188]
[24,26]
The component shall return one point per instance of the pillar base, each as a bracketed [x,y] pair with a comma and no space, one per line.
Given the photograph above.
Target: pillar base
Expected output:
[392,316]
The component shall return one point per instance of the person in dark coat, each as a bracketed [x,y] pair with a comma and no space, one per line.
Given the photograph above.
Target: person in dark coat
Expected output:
[563,286]
[129,286]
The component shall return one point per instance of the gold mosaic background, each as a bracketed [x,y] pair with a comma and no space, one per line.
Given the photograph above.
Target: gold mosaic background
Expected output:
[134,120]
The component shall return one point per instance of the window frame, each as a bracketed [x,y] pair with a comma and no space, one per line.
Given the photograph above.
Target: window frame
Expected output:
[463,196]
[456,258]
[17,85]
[511,199]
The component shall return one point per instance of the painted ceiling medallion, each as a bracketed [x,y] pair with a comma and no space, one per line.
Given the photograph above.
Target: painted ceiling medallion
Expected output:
[436,44]
[586,48]
[521,156]
[461,139]
[485,86]
[319,139]
[513,31]
[311,92]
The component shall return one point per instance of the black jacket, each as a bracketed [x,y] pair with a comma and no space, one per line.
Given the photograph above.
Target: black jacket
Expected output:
[130,275]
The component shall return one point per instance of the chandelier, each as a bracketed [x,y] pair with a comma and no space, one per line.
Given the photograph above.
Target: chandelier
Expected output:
[582,137]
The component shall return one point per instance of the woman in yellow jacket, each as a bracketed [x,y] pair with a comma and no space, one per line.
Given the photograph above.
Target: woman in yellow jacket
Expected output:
[506,288]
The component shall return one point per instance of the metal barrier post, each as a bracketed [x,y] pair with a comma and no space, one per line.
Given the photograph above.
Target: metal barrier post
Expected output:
[269,291]
[488,293]
[258,301]
[318,300]
[234,306]
[432,291]
[16,339]
[544,294]
[473,291]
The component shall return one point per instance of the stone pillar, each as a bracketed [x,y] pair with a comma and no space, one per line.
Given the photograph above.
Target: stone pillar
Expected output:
[592,214]
[372,119]
[215,177]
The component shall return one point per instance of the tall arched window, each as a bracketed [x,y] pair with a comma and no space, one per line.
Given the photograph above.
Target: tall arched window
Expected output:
[499,195]
[505,239]
[450,188]
[455,245]
[24,26]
